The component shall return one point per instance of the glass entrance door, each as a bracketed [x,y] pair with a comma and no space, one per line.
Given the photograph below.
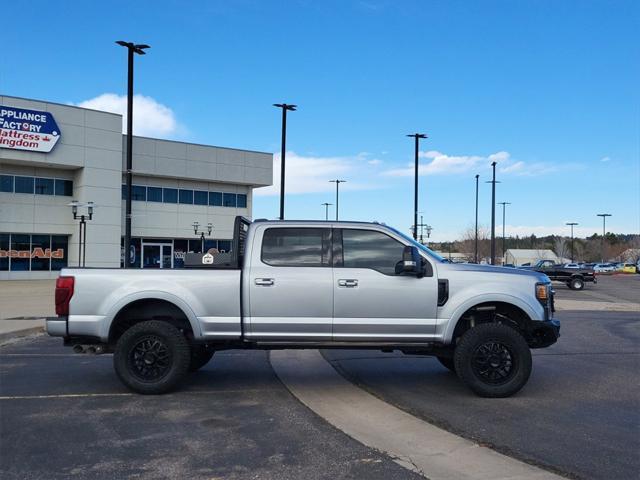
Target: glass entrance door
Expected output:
[157,255]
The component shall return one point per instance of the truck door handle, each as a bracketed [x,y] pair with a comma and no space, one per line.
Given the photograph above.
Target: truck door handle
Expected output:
[264,282]
[349,283]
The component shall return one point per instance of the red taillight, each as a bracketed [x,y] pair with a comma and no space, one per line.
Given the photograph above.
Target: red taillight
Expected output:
[64,292]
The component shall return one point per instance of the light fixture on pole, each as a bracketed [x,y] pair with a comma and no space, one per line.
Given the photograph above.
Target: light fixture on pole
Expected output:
[82,228]
[140,50]
[504,208]
[604,221]
[201,233]
[326,210]
[476,242]
[337,182]
[493,214]
[417,137]
[572,224]
[285,107]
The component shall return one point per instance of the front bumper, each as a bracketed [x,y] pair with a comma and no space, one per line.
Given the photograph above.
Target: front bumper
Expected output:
[543,333]
[57,326]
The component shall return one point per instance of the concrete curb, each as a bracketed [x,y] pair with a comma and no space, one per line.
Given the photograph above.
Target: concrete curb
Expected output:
[411,442]
[16,334]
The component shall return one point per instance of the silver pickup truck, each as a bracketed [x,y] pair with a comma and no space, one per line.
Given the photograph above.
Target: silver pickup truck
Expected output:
[310,284]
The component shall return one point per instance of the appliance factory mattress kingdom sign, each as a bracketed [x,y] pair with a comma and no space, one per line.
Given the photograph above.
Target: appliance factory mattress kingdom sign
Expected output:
[31,130]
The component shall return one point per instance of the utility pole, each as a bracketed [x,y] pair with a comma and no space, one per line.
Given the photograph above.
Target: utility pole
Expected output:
[572,224]
[285,107]
[493,214]
[337,182]
[140,50]
[417,137]
[604,221]
[476,243]
[326,210]
[504,207]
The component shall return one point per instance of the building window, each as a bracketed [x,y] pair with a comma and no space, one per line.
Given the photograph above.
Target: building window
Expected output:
[24,184]
[59,249]
[242,200]
[229,199]
[6,183]
[139,193]
[24,252]
[124,192]
[44,186]
[186,197]
[64,188]
[170,195]
[39,258]
[200,197]
[21,245]
[296,247]
[224,245]
[4,252]
[154,194]
[215,199]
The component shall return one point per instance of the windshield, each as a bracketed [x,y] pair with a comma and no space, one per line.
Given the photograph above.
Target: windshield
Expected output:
[427,250]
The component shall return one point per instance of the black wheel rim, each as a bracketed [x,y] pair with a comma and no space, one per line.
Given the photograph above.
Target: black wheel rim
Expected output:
[493,362]
[150,359]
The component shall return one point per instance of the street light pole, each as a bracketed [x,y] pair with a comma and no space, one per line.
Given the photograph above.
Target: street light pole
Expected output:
[504,207]
[493,214]
[82,228]
[572,224]
[140,50]
[326,210]
[285,107]
[476,243]
[337,182]
[604,220]
[417,137]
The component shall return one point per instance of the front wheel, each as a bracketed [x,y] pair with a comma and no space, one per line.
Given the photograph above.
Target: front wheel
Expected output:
[493,360]
[152,357]
[576,284]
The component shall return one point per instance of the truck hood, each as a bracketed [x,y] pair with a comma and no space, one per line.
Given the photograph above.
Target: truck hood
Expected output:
[491,269]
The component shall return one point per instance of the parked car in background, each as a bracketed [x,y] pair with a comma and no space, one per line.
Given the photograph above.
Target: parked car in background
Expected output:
[603,268]
[572,265]
[588,265]
[629,268]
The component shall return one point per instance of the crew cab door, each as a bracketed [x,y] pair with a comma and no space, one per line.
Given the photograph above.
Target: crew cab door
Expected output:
[290,284]
[370,301]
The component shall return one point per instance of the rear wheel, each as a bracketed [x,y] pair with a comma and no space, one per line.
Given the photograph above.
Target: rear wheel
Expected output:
[493,360]
[576,283]
[448,363]
[152,357]
[200,356]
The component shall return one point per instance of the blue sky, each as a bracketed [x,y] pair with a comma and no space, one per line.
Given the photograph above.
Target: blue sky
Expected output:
[548,88]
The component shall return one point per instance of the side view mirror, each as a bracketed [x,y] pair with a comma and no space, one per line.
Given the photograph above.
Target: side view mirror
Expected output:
[411,262]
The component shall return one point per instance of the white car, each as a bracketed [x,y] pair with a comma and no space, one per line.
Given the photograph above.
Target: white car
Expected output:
[572,265]
[603,268]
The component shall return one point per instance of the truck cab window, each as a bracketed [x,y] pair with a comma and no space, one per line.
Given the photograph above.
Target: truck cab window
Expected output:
[370,249]
[296,247]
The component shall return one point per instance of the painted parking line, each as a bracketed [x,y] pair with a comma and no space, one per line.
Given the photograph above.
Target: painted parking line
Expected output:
[131,394]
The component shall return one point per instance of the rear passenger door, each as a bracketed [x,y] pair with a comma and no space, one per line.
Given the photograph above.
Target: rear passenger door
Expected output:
[372,302]
[290,284]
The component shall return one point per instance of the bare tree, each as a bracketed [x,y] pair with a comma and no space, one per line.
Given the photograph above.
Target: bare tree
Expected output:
[467,243]
[560,247]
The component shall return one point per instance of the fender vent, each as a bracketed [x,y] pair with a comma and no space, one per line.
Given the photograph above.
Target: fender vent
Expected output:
[443,292]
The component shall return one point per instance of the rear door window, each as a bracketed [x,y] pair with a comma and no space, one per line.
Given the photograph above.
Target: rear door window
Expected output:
[296,247]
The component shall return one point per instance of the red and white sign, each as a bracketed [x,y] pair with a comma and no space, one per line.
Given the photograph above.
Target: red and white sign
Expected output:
[31,130]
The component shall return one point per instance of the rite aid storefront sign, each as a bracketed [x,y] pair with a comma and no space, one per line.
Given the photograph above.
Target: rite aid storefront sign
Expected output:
[22,129]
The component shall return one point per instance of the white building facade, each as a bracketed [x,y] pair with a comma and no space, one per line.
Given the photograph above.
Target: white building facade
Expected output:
[52,154]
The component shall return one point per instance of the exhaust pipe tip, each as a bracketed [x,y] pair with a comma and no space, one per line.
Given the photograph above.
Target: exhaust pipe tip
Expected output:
[78,349]
[91,350]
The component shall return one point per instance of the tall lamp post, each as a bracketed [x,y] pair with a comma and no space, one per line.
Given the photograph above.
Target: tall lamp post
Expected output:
[140,50]
[417,137]
[326,210]
[571,224]
[285,107]
[337,182]
[504,207]
[82,233]
[493,214]
[476,242]
[604,221]
[201,233]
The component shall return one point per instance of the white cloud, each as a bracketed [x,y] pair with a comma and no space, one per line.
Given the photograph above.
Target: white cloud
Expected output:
[605,159]
[150,118]
[375,161]
[443,164]
[311,174]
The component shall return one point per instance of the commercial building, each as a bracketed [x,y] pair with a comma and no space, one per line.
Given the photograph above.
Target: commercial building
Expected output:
[53,154]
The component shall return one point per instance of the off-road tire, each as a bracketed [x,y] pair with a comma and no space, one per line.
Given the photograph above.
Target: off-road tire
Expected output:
[152,357]
[493,360]
[448,363]
[200,356]
[576,283]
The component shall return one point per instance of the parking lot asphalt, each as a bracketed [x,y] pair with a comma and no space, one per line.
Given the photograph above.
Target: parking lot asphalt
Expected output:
[67,416]
[579,415]
[610,288]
